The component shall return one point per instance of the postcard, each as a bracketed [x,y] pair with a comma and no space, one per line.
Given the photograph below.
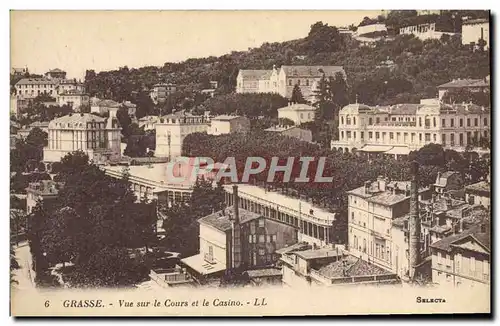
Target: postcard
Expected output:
[250,163]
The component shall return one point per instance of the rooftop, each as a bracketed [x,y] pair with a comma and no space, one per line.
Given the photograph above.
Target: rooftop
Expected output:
[45,187]
[222,220]
[36,81]
[461,83]
[385,192]
[264,272]
[295,247]
[442,178]
[305,208]
[226,117]
[476,21]
[350,266]
[107,103]
[297,107]
[318,253]
[481,186]
[476,232]
[76,120]
[255,74]
[280,128]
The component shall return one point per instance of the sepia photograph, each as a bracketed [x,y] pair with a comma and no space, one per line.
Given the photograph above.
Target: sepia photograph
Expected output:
[250,163]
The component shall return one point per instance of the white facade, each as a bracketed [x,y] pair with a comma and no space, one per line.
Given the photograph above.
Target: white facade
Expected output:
[424,31]
[99,138]
[171,131]
[74,99]
[212,244]
[367,29]
[402,128]
[226,124]
[298,113]
[32,87]
[474,30]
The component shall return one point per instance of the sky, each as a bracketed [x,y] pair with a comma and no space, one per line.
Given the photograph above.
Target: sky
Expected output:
[104,40]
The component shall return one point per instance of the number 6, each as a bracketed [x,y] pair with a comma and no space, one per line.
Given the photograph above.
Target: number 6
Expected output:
[47,304]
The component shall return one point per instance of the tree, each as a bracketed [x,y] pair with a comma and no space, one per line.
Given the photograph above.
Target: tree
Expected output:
[297,95]
[72,163]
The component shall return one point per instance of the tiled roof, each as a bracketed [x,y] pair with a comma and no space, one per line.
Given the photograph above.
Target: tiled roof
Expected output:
[297,107]
[318,253]
[73,92]
[255,74]
[313,71]
[264,272]
[295,247]
[225,117]
[405,108]
[36,81]
[481,186]
[446,243]
[462,83]
[107,103]
[221,219]
[78,117]
[354,266]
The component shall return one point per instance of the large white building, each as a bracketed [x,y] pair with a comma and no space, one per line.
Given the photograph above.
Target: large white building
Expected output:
[372,209]
[33,87]
[74,98]
[298,113]
[99,138]
[171,131]
[475,30]
[424,31]
[401,128]
[283,81]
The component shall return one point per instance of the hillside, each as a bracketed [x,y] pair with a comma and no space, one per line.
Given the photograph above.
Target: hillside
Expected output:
[415,68]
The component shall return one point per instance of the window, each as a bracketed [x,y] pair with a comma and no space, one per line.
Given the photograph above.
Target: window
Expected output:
[352,216]
[420,137]
[461,139]
[461,122]
[434,137]
[370,121]
[377,120]
[476,122]
[452,139]
[443,123]
[452,122]
[468,122]
[362,135]
[298,82]
[211,251]
[307,82]
[252,228]
[434,121]
[370,135]
[301,116]
[289,82]
[391,135]
[273,238]
[261,222]
[377,135]
[262,238]
[394,119]
[342,120]
[443,139]
[354,120]
[485,122]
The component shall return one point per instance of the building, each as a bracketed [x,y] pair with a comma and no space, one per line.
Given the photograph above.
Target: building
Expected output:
[330,266]
[98,137]
[171,131]
[148,122]
[372,209]
[283,81]
[227,124]
[25,131]
[471,85]
[463,260]
[292,131]
[479,193]
[448,181]
[298,113]
[428,12]
[398,129]
[76,99]
[315,224]
[424,31]
[475,30]
[55,74]
[104,106]
[256,81]
[45,190]
[305,77]
[69,85]
[237,238]
[372,28]
[159,92]
[33,87]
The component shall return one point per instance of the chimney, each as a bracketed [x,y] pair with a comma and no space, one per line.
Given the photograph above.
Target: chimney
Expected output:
[381,183]
[236,230]
[414,223]
[367,187]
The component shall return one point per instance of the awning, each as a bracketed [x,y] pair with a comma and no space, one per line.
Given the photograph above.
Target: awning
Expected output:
[398,150]
[200,265]
[375,148]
